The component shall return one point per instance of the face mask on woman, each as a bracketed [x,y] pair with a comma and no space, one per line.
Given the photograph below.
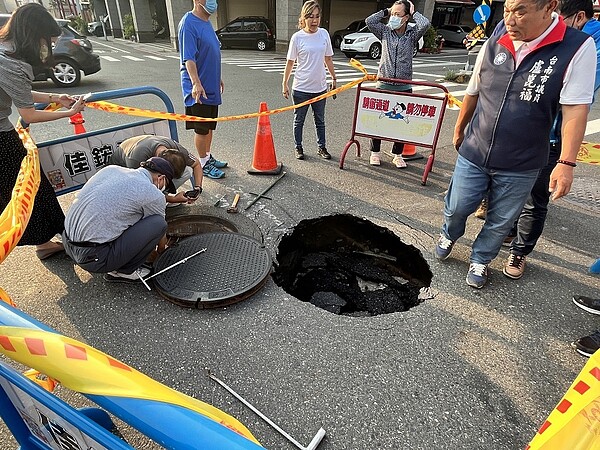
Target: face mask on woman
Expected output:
[211,6]
[395,22]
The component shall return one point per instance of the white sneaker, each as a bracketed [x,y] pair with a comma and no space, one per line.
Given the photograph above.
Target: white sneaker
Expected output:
[374,159]
[115,276]
[399,162]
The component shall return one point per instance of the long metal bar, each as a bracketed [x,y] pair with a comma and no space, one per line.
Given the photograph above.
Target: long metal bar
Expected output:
[170,267]
[313,444]
[255,199]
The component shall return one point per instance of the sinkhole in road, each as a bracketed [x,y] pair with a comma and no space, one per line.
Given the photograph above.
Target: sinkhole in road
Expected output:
[348,265]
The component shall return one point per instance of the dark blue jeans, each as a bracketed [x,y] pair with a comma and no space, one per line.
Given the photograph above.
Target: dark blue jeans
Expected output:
[530,224]
[300,115]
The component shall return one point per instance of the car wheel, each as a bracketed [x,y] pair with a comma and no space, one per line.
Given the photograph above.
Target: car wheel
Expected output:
[65,73]
[375,51]
[337,41]
[98,32]
[261,45]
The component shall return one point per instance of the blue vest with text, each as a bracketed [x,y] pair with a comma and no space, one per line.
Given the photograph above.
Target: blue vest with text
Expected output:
[516,107]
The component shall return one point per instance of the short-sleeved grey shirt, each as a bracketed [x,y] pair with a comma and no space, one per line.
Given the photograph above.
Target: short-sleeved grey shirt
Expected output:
[16,77]
[133,151]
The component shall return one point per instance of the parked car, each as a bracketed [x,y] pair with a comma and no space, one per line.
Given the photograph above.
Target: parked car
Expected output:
[338,36]
[95,28]
[248,32]
[72,55]
[454,34]
[365,43]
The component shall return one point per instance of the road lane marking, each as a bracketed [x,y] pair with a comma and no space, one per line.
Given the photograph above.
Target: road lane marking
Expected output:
[155,58]
[133,58]
[109,58]
[593,126]
[109,46]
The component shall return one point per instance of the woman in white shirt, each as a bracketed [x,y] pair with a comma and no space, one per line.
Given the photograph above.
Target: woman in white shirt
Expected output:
[310,48]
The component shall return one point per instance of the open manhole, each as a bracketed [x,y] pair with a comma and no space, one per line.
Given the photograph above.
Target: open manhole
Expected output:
[232,268]
[186,221]
[348,265]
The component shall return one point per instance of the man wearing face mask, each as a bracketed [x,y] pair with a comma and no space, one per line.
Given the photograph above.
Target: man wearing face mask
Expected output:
[201,79]
[398,39]
[118,218]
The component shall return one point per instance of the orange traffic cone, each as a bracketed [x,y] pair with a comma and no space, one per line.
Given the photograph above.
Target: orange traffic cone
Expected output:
[410,153]
[77,121]
[264,161]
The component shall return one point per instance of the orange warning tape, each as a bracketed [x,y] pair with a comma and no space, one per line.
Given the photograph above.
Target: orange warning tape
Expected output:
[84,369]
[15,217]
[131,111]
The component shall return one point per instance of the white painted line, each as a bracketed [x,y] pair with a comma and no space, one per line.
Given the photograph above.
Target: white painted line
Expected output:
[173,57]
[155,58]
[110,46]
[447,63]
[133,58]
[593,126]
[109,58]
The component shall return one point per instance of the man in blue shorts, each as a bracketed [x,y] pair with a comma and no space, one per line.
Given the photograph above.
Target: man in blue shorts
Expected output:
[201,79]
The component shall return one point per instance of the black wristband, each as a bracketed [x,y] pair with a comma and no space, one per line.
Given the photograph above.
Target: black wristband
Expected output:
[566,163]
[198,188]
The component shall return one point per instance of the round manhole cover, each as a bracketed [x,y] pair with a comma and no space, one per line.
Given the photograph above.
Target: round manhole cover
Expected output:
[232,268]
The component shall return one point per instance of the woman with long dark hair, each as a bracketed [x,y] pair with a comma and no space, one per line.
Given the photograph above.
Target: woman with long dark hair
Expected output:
[26,42]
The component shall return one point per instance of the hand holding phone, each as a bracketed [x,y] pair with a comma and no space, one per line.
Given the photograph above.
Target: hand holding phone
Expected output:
[193,194]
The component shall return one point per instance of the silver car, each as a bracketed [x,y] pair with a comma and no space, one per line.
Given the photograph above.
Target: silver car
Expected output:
[365,43]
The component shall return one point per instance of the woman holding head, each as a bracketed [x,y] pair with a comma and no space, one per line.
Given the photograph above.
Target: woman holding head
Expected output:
[398,40]
[310,48]
[26,42]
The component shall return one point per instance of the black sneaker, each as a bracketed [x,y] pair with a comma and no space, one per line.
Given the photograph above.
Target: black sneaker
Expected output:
[323,153]
[587,345]
[591,305]
[299,153]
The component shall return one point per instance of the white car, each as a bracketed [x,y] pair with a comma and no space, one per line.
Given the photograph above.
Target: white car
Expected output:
[364,42]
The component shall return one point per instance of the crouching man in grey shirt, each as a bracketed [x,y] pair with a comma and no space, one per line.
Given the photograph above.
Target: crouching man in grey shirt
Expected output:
[118,218]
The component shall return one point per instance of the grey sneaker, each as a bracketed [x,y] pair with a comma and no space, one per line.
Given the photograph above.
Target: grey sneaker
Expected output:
[443,248]
[591,305]
[478,275]
[587,345]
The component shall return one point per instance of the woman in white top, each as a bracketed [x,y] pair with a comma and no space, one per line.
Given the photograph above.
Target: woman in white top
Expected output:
[310,48]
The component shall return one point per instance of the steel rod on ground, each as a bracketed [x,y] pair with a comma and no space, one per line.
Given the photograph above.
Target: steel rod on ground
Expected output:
[313,444]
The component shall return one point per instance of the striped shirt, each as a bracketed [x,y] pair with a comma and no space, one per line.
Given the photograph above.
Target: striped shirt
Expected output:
[16,77]
[397,49]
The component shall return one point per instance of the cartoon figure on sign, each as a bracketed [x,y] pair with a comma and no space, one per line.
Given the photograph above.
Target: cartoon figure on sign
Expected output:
[397,112]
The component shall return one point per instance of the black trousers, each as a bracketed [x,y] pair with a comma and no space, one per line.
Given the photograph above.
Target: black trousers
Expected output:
[530,224]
